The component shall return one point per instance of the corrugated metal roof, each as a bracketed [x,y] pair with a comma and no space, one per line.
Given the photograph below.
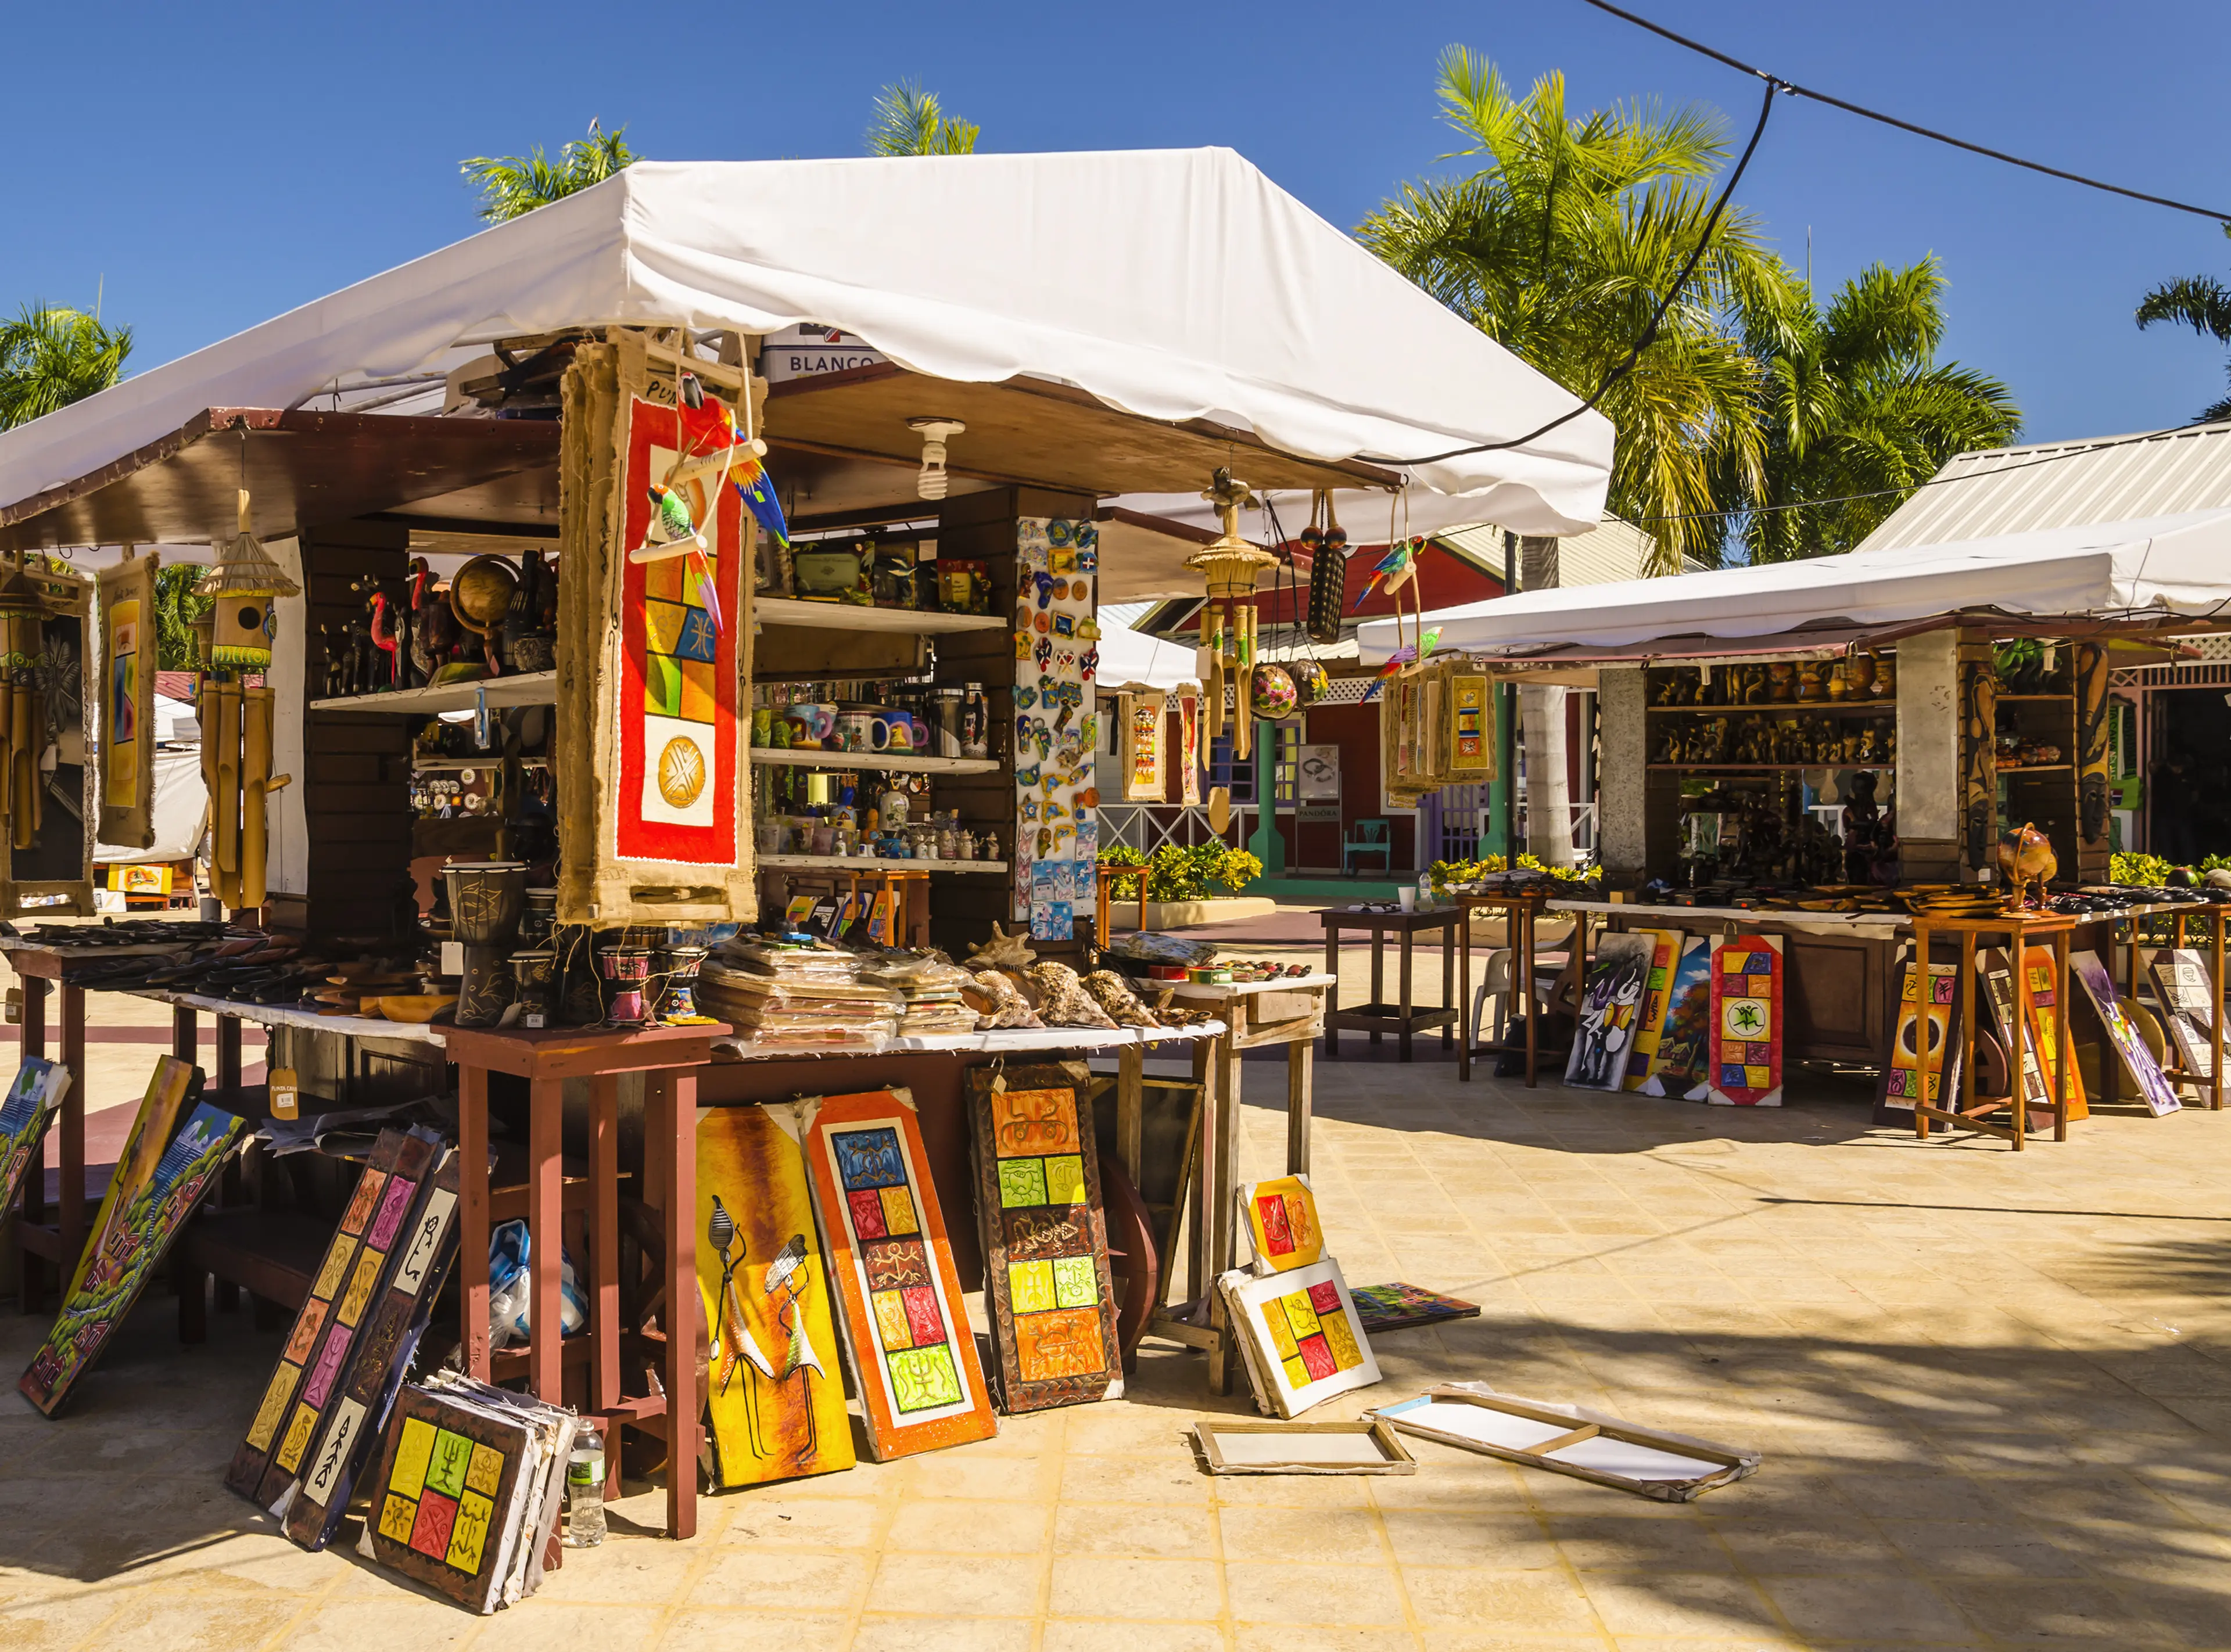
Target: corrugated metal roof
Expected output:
[2064,484]
[1613,549]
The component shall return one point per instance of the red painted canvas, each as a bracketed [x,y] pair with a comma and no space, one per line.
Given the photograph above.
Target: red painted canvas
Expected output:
[1746,1065]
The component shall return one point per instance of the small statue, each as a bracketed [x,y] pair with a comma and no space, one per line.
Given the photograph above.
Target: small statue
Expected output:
[2024,857]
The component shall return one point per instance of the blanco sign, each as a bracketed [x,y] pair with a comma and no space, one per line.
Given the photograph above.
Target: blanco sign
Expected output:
[808,351]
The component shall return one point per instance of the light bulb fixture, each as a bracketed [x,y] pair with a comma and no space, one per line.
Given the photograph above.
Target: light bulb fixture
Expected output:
[934,432]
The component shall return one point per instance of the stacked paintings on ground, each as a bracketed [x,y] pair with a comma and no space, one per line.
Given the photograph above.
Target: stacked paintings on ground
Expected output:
[1291,1312]
[1669,1014]
[31,1104]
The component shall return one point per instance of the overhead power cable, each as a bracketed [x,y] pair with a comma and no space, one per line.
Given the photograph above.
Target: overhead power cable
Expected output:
[1864,112]
[1649,333]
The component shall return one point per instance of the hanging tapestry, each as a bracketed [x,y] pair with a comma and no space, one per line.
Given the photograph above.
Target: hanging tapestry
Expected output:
[128,703]
[901,1316]
[774,1391]
[1056,731]
[159,1178]
[419,1251]
[33,1100]
[2154,1087]
[1048,1289]
[1746,1064]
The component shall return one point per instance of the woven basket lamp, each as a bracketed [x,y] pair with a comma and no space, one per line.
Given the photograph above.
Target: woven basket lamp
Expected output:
[1230,565]
[243,582]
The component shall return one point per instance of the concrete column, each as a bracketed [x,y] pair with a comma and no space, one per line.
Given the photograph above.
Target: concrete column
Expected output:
[1623,736]
[1928,793]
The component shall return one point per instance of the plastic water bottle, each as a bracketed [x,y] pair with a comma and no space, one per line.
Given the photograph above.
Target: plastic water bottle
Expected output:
[585,1489]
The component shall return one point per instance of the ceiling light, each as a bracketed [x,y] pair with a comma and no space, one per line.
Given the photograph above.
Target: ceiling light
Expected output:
[934,432]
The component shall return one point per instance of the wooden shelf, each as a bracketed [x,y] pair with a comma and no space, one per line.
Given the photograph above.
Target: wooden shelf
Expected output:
[515,688]
[450,765]
[2035,768]
[868,868]
[1763,768]
[1814,708]
[853,616]
[882,762]
[2034,700]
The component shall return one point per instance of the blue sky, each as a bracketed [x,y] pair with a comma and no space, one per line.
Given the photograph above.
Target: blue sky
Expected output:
[208,166]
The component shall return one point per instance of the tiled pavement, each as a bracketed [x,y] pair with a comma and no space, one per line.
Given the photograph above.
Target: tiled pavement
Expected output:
[1994,1393]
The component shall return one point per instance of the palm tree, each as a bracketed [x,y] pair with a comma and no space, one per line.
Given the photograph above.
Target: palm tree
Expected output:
[909,121]
[2202,303]
[177,608]
[512,185]
[51,356]
[1857,409]
[1563,244]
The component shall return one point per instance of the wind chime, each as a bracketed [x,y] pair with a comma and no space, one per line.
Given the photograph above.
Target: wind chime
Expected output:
[235,635]
[24,611]
[1230,565]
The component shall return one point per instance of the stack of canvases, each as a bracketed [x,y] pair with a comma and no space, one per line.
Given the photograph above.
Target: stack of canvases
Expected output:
[1669,1014]
[1291,1311]
[880,1283]
[805,995]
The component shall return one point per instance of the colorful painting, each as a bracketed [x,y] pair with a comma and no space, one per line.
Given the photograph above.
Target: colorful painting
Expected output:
[2181,984]
[1656,995]
[33,1100]
[1611,998]
[1997,998]
[2045,1028]
[1901,1079]
[677,793]
[1400,1307]
[1678,1065]
[128,703]
[774,1394]
[1299,1335]
[1189,745]
[1745,1069]
[1056,729]
[274,1421]
[1282,1221]
[2154,1087]
[1049,1292]
[419,1251]
[899,1312]
[1142,747]
[159,1179]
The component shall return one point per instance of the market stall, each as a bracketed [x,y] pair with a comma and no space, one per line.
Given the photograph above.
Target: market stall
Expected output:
[606,726]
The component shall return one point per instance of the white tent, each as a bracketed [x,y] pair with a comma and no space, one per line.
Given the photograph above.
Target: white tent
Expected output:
[181,814]
[1131,658]
[1174,284]
[2163,566]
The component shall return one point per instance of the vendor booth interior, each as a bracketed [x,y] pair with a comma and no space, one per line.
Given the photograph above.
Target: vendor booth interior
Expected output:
[652,801]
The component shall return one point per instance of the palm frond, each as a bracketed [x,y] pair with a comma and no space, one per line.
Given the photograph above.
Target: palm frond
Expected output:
[514,186]
[51,356]
[2200,303]
[909,121]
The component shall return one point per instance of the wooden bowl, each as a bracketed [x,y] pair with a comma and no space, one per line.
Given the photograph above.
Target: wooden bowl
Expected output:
[416,1008]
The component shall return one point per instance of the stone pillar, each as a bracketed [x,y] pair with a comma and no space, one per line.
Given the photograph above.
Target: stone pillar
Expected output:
[1623,737]
[1927,797]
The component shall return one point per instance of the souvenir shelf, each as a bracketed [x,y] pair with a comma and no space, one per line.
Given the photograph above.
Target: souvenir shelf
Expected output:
[869,868]
[513,688]
[1784,708]
[880,762]
[452,764]
[1836,764]
[855,616]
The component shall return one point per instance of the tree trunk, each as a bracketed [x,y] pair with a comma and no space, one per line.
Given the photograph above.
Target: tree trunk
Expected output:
[1542,711]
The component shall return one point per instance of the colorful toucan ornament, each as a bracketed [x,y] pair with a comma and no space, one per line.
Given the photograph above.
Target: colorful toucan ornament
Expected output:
[1402,656]
[1395,570]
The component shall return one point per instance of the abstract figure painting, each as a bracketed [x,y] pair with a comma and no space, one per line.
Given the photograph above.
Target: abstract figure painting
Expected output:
[1678,1065]
[1282,1221]
[774,1394]
[1746,1064]
[2154,1087]
[29,1107]
[159,1179]
[1048,1288]
[901,1317]
[1299,1335]
[1610,999]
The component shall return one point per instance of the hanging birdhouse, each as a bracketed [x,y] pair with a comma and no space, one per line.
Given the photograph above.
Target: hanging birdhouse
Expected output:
[244,583]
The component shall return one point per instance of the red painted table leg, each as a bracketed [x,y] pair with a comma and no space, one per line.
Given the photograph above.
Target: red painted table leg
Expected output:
[472,1219]
[545,1236]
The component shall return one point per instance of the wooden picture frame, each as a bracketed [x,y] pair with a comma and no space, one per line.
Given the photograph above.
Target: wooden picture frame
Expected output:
[1562,1439]
[2085,970]
[1223,1442]
[899,1312]
[53,877]
[1048,1288]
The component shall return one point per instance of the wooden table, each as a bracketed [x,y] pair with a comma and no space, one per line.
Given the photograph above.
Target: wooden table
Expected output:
[669,1058]
[1520,908]
[1379,1018]
[2019,928]
[1292,1011]
[58,1238]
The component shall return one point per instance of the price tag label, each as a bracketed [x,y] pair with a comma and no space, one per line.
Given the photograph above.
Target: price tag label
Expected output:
[285,1092]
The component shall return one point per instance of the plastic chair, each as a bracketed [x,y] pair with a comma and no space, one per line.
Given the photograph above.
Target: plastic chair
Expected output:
[1369,837]
[1495,984]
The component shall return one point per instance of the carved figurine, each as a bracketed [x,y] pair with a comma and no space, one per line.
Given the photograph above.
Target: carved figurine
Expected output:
[2025,856]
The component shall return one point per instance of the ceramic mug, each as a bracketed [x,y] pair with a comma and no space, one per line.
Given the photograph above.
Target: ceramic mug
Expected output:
[854,731]
[891,731]
[811,724]
[762,725]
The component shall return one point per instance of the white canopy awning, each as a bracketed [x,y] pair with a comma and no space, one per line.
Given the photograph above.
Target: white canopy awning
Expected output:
[1174,284]
[2163,566]
[1133,660]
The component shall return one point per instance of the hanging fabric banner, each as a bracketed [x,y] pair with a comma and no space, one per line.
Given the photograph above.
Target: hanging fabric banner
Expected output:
[128,703]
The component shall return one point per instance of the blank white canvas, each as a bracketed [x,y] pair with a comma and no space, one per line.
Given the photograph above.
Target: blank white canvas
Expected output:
[1256,1450]
[1478,1423]
[1631,1462]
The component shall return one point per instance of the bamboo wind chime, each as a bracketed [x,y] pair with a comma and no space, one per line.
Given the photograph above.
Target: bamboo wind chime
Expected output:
[236,638]
[1230,566]
[24,611]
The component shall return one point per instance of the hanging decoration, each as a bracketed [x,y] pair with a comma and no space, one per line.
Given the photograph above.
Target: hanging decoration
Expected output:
[235,717]
[1328,549]
[127,701]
